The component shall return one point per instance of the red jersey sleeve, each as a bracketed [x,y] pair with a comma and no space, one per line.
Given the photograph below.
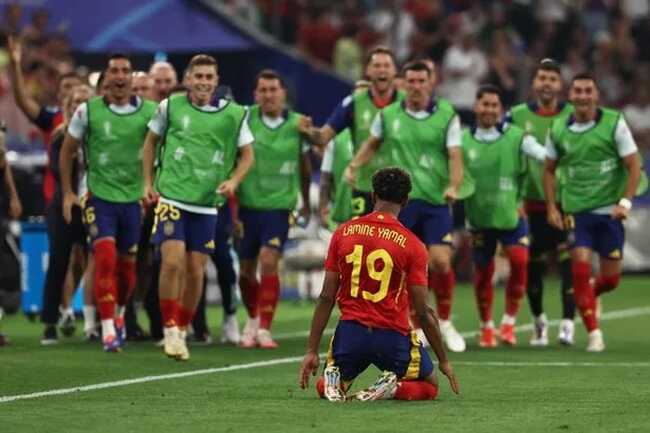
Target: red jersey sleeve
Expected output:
[417,273]
[332,260]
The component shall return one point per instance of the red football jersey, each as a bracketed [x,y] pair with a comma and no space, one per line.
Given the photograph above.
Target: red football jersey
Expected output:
[377,259]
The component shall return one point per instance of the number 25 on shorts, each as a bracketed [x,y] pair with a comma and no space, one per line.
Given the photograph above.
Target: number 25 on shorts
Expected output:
[383,276]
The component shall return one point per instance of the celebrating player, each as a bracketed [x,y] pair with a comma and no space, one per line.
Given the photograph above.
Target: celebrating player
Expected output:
[374,266]
[535,118]
[495,158]
[197,170]
[267,197]
[423,135]
[356,112]
[599,159]
[112,129]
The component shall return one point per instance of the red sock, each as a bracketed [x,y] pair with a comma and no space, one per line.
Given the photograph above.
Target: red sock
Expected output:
[249,293]
[584,294]
[516,288]
[269,295]
[169,311]
[442,285]
[416,390]
[105,281]
[125,280]
[185,316]
[606,283]
[483,290]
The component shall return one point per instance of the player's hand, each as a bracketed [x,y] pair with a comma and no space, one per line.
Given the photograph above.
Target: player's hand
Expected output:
[15,50]
[554,217]
[149,196]
[305,123]
[445,368]
[451,194]
[620,213]
[15,208]
[303,216]
[309,367]
[69,200]
[228,188]
[350,175]
[521,212]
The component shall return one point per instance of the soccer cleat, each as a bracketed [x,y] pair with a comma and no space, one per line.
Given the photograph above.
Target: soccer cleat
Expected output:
[67,324]
[50,337]
[111,344]
[540,332]
[182,352]
[170,344]
[265,339]
[596,342]
[333,391]
[487,337]
[249,334]
[423,338]
[230,330]
[120,329]
[507,334]
[454,341]
[383,389]
[200,339]
[567,329]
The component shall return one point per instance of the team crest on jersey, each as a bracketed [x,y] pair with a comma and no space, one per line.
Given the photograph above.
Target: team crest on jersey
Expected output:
[168,228]
[616,254]
[133,249]
[209,245]
[447,238]
[179,153]
[275,242]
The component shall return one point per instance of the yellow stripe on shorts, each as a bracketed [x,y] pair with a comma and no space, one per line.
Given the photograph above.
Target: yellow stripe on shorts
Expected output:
[413,370]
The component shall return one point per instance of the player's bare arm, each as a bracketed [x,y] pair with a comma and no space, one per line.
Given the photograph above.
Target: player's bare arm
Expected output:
[148,153]
[25,102]
[69,149]
[365,154]
[429,322]
[548,179]
[632,164]
[456,172]
[318,136]
[244,164]
[322,314]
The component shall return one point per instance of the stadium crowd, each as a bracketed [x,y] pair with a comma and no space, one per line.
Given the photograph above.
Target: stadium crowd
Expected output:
[134,158]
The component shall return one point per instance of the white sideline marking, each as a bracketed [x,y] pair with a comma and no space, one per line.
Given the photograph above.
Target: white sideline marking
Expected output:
[612,315]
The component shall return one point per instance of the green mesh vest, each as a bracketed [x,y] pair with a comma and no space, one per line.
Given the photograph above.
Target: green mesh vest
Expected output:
[498,168]
[274,180]
[537,126]
[341,210]
[420,147]
[594,173]
[114,150]
[198,152]
[364,113]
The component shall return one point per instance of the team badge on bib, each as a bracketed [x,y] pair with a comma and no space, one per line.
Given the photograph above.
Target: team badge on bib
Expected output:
[168,228]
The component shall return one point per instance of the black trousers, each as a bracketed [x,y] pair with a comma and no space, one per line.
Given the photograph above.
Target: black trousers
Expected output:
[61,238]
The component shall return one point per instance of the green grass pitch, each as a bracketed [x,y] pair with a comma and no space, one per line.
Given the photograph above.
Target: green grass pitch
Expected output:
[519,389]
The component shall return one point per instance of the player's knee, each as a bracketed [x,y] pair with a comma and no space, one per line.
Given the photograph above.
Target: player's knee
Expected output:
[440,265]
[269,264]
[105,254]
[518,256]
[170,267]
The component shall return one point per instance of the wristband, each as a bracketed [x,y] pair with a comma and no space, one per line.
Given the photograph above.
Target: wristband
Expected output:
[625,203]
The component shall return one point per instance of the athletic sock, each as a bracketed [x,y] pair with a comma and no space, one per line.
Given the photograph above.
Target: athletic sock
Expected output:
[89,312]
[169,311]
[535,290]
[269,295]
[412,390]
[126,277]
[584,294]
[108,328]
[105,282]
[516,287]
[484,291]
[249,293]
[185,316]
[442,285]
[566,286]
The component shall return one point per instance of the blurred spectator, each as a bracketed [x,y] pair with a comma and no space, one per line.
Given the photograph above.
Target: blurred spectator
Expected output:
[348,54]
[463,68]
[431,38]
[142,85]
[573,64]
[13,13]
[637,113]
[504,67]
[635,10]
[37,29]
[164,80]
[395,26]
[317,34]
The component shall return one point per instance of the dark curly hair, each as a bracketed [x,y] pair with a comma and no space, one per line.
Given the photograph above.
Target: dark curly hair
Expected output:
[392,184]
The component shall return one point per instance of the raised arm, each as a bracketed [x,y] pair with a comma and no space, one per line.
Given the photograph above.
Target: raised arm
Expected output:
[25,102]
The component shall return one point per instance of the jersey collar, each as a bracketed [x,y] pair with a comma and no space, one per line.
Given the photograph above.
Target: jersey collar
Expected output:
[133,100]
[431,108]
[393,97]
[599,115]
[535,108]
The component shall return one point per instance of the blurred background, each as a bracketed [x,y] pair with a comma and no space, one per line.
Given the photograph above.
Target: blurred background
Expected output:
[319,47]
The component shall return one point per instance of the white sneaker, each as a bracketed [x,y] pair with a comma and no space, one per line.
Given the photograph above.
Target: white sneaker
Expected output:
[332,384]
[422,337]
[182,352]
[567,330]
[540,331]
[265,339]
[249,334]
[454,341]
[596,342]
[230,330]
[383,389]
[170,341]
